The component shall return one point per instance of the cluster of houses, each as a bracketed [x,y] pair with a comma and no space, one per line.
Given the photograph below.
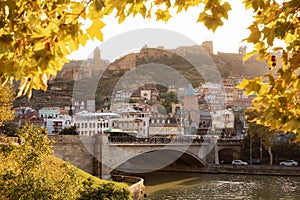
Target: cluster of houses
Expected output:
[208,109]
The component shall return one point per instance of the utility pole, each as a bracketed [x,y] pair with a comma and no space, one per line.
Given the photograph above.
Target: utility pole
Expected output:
[250,153]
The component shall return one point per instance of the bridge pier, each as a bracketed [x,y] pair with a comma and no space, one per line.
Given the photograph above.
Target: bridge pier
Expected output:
[100,151]
[216,151]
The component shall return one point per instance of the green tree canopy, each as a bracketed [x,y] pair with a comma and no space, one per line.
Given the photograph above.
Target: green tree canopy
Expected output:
[36,36]
[69,131]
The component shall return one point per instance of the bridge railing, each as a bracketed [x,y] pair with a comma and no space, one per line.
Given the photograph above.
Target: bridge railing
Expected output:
[149,140]
[229,141]
[164,140]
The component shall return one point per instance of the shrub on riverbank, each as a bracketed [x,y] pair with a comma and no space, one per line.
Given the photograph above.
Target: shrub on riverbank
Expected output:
[29,171]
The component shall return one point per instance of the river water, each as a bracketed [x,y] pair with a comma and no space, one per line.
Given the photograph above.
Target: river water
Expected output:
[196,186]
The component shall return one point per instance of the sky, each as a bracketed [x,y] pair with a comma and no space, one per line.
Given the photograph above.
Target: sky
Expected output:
[227,38]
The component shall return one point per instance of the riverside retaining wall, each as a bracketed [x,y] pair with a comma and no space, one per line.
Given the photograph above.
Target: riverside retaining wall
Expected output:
[137,188]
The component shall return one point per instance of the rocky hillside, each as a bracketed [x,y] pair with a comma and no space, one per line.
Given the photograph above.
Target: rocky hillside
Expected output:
[167,67]
[237,67]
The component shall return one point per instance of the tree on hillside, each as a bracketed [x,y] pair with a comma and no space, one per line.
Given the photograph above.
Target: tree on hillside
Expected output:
[29,171]
[9,128]
[6,104]
[36,36]
[25,172]
[170,98]
[69,131]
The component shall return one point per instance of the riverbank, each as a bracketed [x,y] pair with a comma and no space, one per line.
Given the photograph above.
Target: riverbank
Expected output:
[248,169]
[256,170]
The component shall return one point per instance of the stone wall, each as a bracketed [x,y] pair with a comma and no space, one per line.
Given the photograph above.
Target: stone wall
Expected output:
[76,150]
[80,150]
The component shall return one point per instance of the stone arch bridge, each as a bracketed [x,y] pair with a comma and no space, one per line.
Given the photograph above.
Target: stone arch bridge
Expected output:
[100,155]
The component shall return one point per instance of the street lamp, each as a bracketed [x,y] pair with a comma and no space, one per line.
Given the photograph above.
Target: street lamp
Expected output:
[101,121]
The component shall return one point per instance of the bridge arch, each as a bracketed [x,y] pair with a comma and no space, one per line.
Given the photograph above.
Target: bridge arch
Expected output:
[226,155]
[157,159]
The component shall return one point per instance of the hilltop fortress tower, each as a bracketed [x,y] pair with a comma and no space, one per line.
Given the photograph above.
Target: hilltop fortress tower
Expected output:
[78,69]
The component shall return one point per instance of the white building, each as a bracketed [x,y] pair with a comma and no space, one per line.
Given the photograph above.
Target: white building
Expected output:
[133,121]
[89,124]
[223,119]
[49,112]
[121,96]
[55,125]
[164,125]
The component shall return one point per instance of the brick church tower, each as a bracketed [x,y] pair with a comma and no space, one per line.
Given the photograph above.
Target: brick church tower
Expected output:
[190,106]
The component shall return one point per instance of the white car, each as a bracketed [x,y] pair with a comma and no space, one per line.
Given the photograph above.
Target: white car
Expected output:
[239,162]
[289,163]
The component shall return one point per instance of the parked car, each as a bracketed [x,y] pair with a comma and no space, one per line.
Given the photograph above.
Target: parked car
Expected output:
[255,161]
[288,163]
[239,162]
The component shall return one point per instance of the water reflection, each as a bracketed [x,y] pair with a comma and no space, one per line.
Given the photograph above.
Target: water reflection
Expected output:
[195,186]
